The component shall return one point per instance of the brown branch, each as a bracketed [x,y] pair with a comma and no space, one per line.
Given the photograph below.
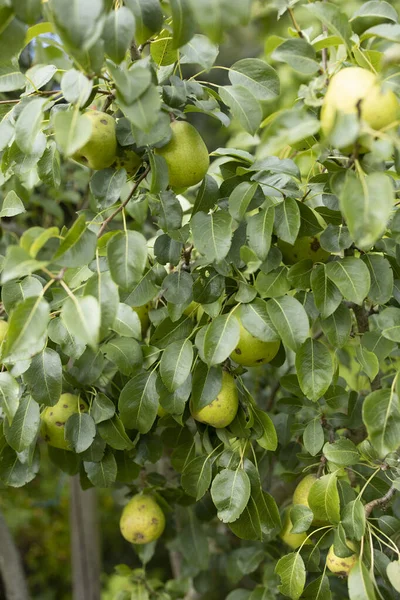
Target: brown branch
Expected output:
[295,23]
[379,501]
[122,206]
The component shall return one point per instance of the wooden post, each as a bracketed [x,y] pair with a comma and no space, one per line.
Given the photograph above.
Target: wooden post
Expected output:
[12,573]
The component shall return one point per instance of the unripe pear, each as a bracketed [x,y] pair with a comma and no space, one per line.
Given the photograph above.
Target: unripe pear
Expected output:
[55,417]
[354,90]
[341,566]
[222,410]
[143,314]
[302,490]
[304,247]
[293,540]
[250,351]
[3,330]
[161,412]
[100,151]
[142,520]
[128,160]
[186,156]
[192,310]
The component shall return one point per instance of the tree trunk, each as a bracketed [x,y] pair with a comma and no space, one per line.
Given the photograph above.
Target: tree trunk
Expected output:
[85,548]
[12,573]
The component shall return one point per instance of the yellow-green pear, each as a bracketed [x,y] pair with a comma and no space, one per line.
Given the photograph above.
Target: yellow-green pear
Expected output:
[354,89]
[100,151]
[143,314]
[186,156]
[250,351]
[304,247]
[341,566]
[3,330]
[293,540]
[301,492]
[161,412]
[142,520]
[54,419]
[221,412]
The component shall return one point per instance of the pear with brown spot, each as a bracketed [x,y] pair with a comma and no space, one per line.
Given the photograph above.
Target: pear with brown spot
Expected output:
[100,150]
[54,419]
[341,566]
[251,352]
[221,411]
[142,520]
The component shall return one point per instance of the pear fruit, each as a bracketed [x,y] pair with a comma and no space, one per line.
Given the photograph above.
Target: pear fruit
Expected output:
[161,412]
[341,566]
[142,520]
[186,156]
[301,492]
[192,310]
[3,330]
[100,151]
[222,410]
[355,89]
[303,248]
[54,419]
[293,540]
[128,160]
[143,314]
[250,351]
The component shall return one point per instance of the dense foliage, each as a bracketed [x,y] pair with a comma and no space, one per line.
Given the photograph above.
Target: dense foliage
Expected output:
[208,336]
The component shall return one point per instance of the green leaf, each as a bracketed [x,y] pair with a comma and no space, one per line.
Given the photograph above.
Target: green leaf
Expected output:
[103,288]
[313,437]
[25,425]
[11,78]
[12,205]
[337,327]
[44,377]
[393,573]
[176,363]
[268,438]
[15,473]
[381,415]
[123,352]
[75,87]
[292,572]
[290,320]
[314,365]
[336,21]
[118,33]
[178,287]
[12,39]
[241,197]
[19,263]
[106,186]
[9,395]
[49,166]
[143,113]
[148,16]
[388,322]
[230,492]
[318,589]
[113,433]
[102,408]
[260,518]
[244,106]
[323,499]
[381,289]
[301,518]
[274,284]
[81,316]
[287,220]
[126,322]
[78,24]
[127,256]
[342,452]
[259,231]
[138,402]
[215,17]
[212,234]
[182,22]
[207,383]
[78,246]
[104,473]
[80,430]
[196,477]
[368,361]
[200,51]
[256,76]
[360,584]
[255,318]
[29,124]
[351,276]
[220,339]
[366,205]
[72,131]
[353,519]
[299,54]
[27,325]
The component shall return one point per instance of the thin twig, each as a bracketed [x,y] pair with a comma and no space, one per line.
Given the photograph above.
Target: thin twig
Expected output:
[295,23]
[122,206]
[379,501]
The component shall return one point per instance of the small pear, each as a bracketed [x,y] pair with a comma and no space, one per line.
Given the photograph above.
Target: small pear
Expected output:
[143,314]
[3,330]
[303,247]
[161,412]
[221,412]
[293,540]
[301,492]
[186,155]
[251,352]
[341,566]
[128,160]
[354,90]
[142,520]
[100,151]
[55,417]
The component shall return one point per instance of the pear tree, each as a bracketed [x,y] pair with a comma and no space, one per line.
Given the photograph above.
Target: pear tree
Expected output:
[208,329]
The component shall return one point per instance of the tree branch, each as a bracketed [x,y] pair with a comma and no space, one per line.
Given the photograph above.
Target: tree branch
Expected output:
[295,23]
[379,501]
[122,206]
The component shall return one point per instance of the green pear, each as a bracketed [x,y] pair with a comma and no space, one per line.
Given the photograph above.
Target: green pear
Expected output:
[192,310]
[128,160]
[341,566]
[143,314]
[301,492]
[221,412]
[142,520]
[250,351]
[3,330]
[355,89]
[161,412]
[303,247]
[100,151]
[293,540]
[186,155]
[55,417]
